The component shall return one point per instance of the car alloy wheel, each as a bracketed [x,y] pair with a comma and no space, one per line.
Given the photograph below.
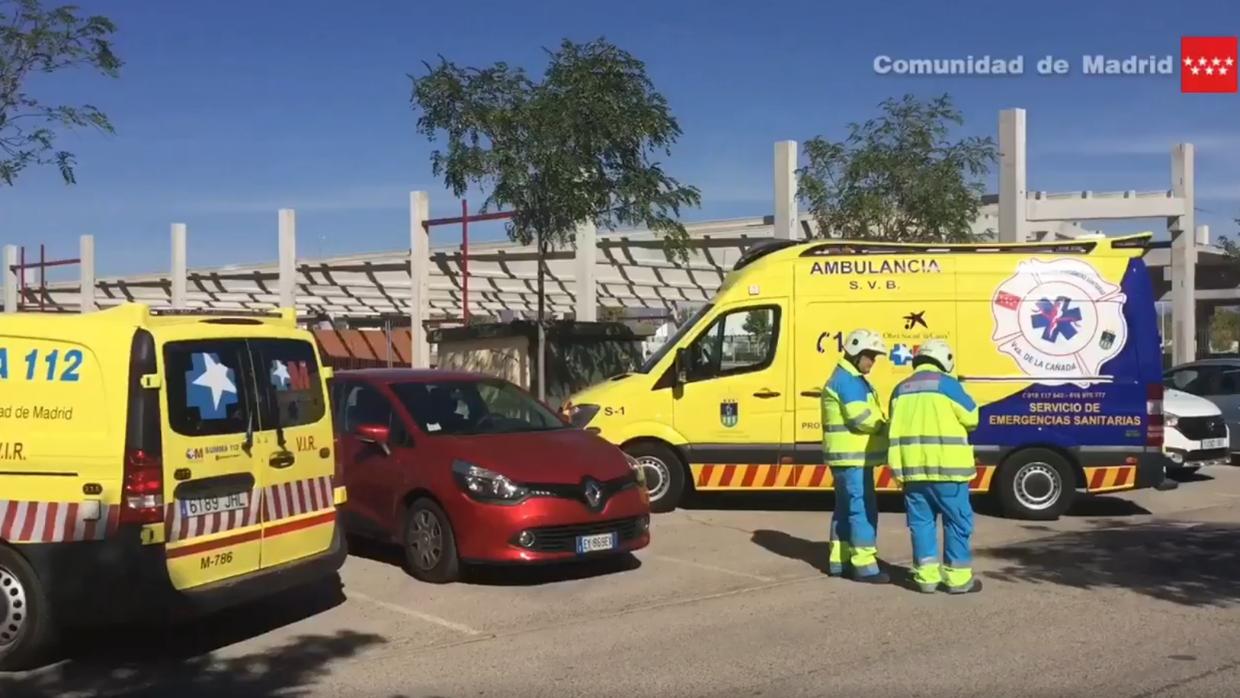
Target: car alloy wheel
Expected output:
[426,540]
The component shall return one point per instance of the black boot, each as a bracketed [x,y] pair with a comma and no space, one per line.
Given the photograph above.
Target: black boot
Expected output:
[879,577]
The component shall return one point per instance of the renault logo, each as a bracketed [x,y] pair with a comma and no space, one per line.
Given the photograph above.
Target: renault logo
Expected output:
[594,493]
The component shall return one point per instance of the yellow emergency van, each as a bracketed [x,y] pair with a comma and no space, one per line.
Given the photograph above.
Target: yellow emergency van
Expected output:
[1057,341]
[154,464]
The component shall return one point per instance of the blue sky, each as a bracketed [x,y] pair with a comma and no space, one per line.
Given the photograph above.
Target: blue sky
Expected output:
[227,111]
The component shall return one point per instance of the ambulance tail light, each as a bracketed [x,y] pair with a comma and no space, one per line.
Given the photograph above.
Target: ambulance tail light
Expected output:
[142,488]
[1154,415]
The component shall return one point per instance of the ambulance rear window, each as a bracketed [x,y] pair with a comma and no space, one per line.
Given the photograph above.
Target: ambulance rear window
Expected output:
[206,383]
[288,377]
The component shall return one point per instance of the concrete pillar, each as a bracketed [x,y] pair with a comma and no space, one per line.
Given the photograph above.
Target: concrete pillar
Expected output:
[180,265]
[1013,220]
[86,263]
[10,279]
[786,191]
[419,277]
[1183,258]
[288,258]
[586,259]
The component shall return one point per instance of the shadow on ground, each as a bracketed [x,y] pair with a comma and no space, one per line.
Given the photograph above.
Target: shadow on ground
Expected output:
[506,575]
[180,660]
[816,554]
[1185,563]
[1085,506]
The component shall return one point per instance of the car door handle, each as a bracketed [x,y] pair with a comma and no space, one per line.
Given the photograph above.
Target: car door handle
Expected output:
[816,393]
[282,459]
[764,394]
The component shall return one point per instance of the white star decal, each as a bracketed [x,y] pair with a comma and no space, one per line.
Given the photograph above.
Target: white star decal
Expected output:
[1209,71]
[215,377]
[1229,61]
[281,372]
[1196,70]
[1201,61]
[1188,61]
[1222,71]
[1216,61]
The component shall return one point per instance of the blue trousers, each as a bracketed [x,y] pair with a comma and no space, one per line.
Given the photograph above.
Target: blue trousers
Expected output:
[924,502]
[854,522]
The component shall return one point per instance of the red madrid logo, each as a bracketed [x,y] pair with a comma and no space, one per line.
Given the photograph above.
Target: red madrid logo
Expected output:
[1208,64]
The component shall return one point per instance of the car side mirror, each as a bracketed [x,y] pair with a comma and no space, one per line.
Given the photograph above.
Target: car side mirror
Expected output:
[376,435]
[680,366]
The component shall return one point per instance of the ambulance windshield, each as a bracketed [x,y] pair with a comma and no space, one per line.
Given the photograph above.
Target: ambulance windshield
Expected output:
[672,341]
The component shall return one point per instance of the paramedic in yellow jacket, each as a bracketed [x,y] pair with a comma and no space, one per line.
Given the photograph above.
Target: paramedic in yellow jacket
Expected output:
[930,455]
[854,442]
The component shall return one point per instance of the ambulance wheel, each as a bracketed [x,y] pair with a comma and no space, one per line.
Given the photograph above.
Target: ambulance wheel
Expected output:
[664,471]
[26,628]
[1036,484]
[430,544]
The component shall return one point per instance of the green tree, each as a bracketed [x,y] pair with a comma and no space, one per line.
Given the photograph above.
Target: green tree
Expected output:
[1224,329]
[898,177]
[34,41]
[1229,246]
[577,145]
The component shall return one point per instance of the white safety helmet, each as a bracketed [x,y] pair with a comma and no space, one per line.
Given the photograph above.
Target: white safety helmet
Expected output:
[864,340]
[940,351]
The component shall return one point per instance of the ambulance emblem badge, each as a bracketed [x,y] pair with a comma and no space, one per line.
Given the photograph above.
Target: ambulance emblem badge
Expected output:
[729,413]
[1060,321]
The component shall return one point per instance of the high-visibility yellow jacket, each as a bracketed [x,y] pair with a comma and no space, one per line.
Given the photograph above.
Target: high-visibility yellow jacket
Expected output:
[853,422]
[931,417]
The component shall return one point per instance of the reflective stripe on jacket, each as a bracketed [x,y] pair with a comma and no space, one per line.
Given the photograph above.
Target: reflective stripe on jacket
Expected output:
[853,422]
[931,417]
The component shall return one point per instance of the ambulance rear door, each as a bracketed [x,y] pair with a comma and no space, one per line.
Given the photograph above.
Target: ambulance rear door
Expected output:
[213,528]
[294,451]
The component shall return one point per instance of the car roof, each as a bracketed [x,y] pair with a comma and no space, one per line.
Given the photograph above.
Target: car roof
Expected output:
[1221,361]
[411,375]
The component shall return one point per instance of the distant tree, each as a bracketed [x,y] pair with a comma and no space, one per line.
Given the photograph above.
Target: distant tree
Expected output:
[1224,329]
[575,146]
[1229,246]
[33,41]
[898,177]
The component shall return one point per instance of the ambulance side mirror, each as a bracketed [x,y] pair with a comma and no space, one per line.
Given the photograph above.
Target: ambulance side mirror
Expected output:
[680,366]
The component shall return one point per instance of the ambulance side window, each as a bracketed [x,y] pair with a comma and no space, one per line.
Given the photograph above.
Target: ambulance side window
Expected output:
[208,386]
[739,341]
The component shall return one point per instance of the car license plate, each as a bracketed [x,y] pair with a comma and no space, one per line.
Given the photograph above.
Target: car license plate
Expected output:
[1209,444]
[594,544]
[215,505]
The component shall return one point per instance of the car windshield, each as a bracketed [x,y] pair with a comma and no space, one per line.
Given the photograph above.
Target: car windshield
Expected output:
[685,326]
[461,407]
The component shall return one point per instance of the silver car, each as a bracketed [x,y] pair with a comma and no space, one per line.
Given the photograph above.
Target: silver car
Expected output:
[1217,380]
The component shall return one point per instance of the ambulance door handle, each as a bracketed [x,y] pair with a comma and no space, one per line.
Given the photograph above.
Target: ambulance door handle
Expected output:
[282,459]
[811,393]
[766,394]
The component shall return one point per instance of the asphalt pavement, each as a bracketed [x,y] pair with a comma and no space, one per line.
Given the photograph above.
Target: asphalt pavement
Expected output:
[1129,595]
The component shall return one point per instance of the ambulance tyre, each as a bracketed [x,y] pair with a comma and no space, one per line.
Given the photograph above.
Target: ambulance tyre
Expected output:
[1035,484]
[664,471]
[430,544]
[27,631]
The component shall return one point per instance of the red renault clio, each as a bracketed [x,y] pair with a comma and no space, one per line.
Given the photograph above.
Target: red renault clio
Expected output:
[460,468]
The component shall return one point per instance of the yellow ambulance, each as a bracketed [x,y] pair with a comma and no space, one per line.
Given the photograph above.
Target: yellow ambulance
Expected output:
[155,464]
[1057,341]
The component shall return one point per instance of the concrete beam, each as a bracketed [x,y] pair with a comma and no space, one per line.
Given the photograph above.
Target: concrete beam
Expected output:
[180,264]
[86,257]
[10,279]
[1013,221]
[419,277]
[288,258]
[1183,257]
[1085,207]
[786,227]
[584,270]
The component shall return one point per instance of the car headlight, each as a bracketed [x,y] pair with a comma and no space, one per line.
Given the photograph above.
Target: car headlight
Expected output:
[638,471]
[487,485]
[1170,420]
[580,415]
